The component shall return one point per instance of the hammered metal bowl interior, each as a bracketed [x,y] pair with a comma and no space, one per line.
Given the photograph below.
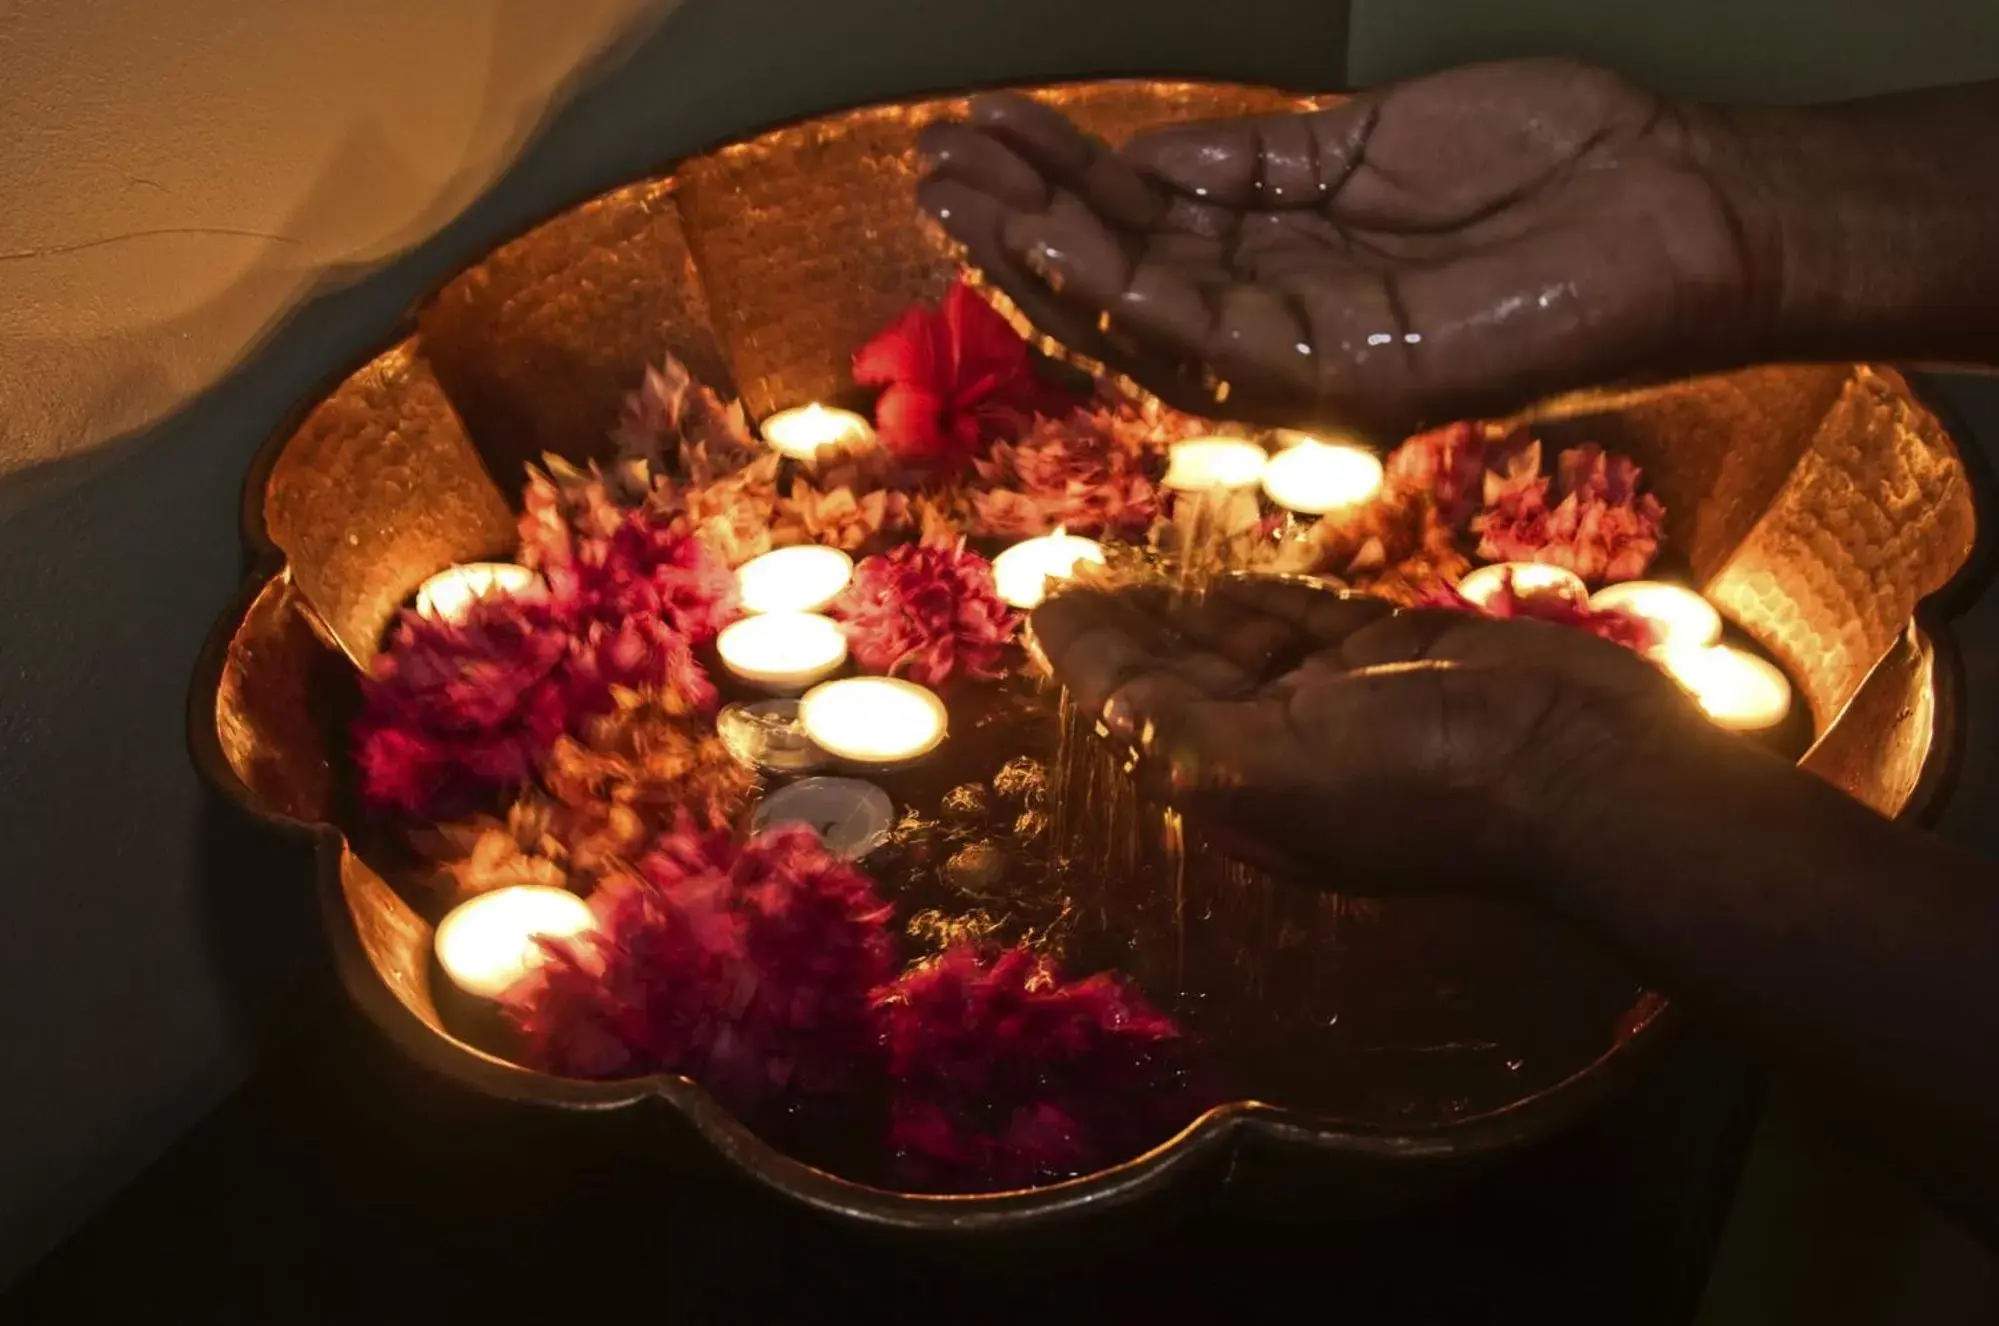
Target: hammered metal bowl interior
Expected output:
[1820,507]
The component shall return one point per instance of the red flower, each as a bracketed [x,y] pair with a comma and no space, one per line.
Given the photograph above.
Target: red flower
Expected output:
[926,611]
[1549,605]
[1003,1076]
[748,969]
[453,712]
[1603,528]
[952,378]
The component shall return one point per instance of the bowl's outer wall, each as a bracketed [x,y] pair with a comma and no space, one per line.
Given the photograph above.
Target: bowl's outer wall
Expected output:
[1817,505]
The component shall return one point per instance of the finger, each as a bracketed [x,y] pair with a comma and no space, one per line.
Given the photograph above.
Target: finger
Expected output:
[1261,161]
[975,220]
[1253,337]
[1324,616]
[982,162]
[1044,137]
[1126,666]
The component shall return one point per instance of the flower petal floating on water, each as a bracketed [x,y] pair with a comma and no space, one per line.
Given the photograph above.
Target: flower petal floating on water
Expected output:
[1004,1075]
[927,612]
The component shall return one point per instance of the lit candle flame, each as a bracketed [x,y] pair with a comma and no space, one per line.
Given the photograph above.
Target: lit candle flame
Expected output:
[873,720]
[489,942]
[801,579]
[783,650]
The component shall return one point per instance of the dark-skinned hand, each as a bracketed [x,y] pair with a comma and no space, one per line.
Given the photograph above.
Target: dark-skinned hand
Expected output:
[1455,246]
[1336,740]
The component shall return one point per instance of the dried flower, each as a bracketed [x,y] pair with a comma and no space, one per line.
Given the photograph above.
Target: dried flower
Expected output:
[1394,546]
[1074,472]
[1509,603]
[749,969]
[848,504]
[928,612]
[1004,1076]
[452,712]
[1447,465]
[732,515]
[477,855]
[1603,528]
[631,773]
[676,427]
[953,379]
[605,563]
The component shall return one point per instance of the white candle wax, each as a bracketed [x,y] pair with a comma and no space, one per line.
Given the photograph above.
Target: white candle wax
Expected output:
[800,432]
[783,651]
[1022,572]
[1313,477]
[1677,615]
[1528,578]
[873,720]
[1738,690]
[1207,464]
[801,579]
[488,942]
[447,595]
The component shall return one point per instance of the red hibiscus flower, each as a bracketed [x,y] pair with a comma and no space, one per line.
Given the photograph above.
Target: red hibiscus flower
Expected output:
[953,378]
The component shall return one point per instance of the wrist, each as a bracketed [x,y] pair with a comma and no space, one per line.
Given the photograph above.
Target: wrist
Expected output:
[1679,799]
[1867,228]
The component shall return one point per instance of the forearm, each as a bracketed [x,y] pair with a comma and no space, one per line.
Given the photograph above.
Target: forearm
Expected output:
[1872,227]
[1860,955]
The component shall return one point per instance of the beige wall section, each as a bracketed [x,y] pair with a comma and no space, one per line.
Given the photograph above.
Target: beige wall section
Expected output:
[1758,50]
[174,176]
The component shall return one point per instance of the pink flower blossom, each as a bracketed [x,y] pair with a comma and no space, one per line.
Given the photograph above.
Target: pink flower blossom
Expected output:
[748,969]
[1602,528]
[453,712]
[605,563]
[1073,473]
[1447,465]
[1004,1076]
[1548,605]
[927,611]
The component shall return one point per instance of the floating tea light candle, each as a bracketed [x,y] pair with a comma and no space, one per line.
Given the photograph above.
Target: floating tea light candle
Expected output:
[1677,615]
[767,735]
[800,432]
[801,579]
[876,721]
[1314,477]
[489,942]
[1480,587]
[1022,572]
[446,596]
[851,817]
[1738,690]
[783,651]
[1211,464]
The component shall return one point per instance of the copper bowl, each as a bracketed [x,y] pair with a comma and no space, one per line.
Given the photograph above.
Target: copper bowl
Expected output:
[1825,509]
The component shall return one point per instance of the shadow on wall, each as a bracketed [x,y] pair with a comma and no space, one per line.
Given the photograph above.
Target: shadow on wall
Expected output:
[146,937]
